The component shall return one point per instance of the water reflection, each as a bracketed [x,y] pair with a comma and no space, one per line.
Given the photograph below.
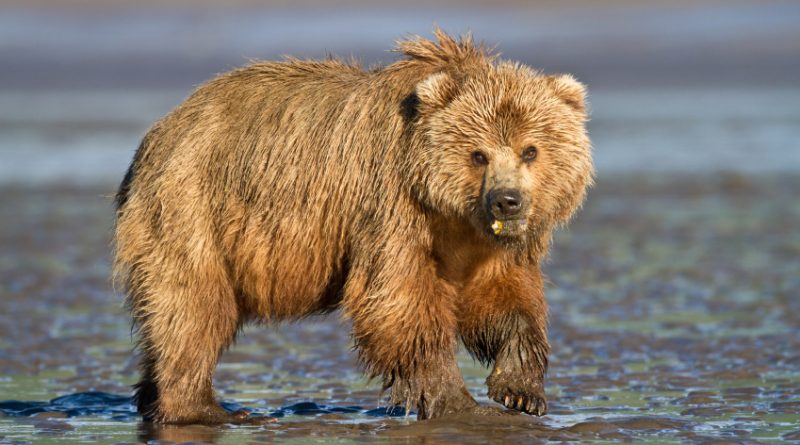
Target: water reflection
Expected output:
[148,431]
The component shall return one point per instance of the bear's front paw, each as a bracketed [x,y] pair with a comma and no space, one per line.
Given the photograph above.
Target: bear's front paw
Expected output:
[433,396]
[517,391]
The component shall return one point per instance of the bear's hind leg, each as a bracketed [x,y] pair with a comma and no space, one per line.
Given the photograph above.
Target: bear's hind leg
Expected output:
[145,392]
[183,331]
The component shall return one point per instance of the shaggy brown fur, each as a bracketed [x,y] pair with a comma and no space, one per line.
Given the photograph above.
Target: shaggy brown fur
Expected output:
[286,189]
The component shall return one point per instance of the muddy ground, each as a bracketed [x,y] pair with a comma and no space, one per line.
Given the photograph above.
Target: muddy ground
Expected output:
[674,305]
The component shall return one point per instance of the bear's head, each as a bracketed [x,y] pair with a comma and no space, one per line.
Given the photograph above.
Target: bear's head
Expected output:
[503,147]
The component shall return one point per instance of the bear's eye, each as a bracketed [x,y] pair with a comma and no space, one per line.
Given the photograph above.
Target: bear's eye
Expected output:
[479,158]
[529,154]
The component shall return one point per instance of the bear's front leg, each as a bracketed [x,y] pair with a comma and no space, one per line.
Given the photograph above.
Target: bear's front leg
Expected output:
[432,392]
[503,321]
[517,379]
[404,327]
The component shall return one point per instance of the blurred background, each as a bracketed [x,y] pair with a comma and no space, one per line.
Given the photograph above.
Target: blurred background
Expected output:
[674,294]
[675,86]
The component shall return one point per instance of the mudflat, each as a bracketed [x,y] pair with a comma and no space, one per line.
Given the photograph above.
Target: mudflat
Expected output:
[674,319]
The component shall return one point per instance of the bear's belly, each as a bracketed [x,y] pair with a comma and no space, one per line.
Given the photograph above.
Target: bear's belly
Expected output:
[290,275]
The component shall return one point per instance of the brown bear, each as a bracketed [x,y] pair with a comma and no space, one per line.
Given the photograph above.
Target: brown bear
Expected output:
[418,198]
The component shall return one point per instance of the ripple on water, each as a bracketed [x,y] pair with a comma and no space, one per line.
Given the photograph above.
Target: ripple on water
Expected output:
[118,407]
[78,404]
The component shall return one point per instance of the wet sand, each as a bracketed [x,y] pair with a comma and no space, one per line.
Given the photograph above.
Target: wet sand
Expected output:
[674,320]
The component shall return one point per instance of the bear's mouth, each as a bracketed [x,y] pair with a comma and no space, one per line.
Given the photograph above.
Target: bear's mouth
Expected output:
[502,228]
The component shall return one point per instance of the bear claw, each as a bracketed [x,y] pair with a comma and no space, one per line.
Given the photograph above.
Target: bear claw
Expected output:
[518,394]
[531,404]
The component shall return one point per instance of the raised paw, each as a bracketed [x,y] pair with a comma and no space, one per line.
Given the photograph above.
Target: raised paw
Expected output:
[517,392]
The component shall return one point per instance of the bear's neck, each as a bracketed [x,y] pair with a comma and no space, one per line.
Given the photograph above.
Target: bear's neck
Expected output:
[459,251]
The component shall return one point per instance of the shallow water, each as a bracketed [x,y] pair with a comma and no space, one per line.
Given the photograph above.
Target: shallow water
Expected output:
[674,303]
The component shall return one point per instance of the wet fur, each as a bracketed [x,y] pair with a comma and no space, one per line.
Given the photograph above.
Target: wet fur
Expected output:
[286,189]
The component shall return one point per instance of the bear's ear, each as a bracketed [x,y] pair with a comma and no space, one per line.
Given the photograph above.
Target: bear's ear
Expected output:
[572,92]
[437,90]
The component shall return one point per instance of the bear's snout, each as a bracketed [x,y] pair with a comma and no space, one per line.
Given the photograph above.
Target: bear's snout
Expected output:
[505,203]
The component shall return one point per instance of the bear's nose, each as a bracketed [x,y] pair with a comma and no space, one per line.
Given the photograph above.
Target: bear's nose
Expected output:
[505,203]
